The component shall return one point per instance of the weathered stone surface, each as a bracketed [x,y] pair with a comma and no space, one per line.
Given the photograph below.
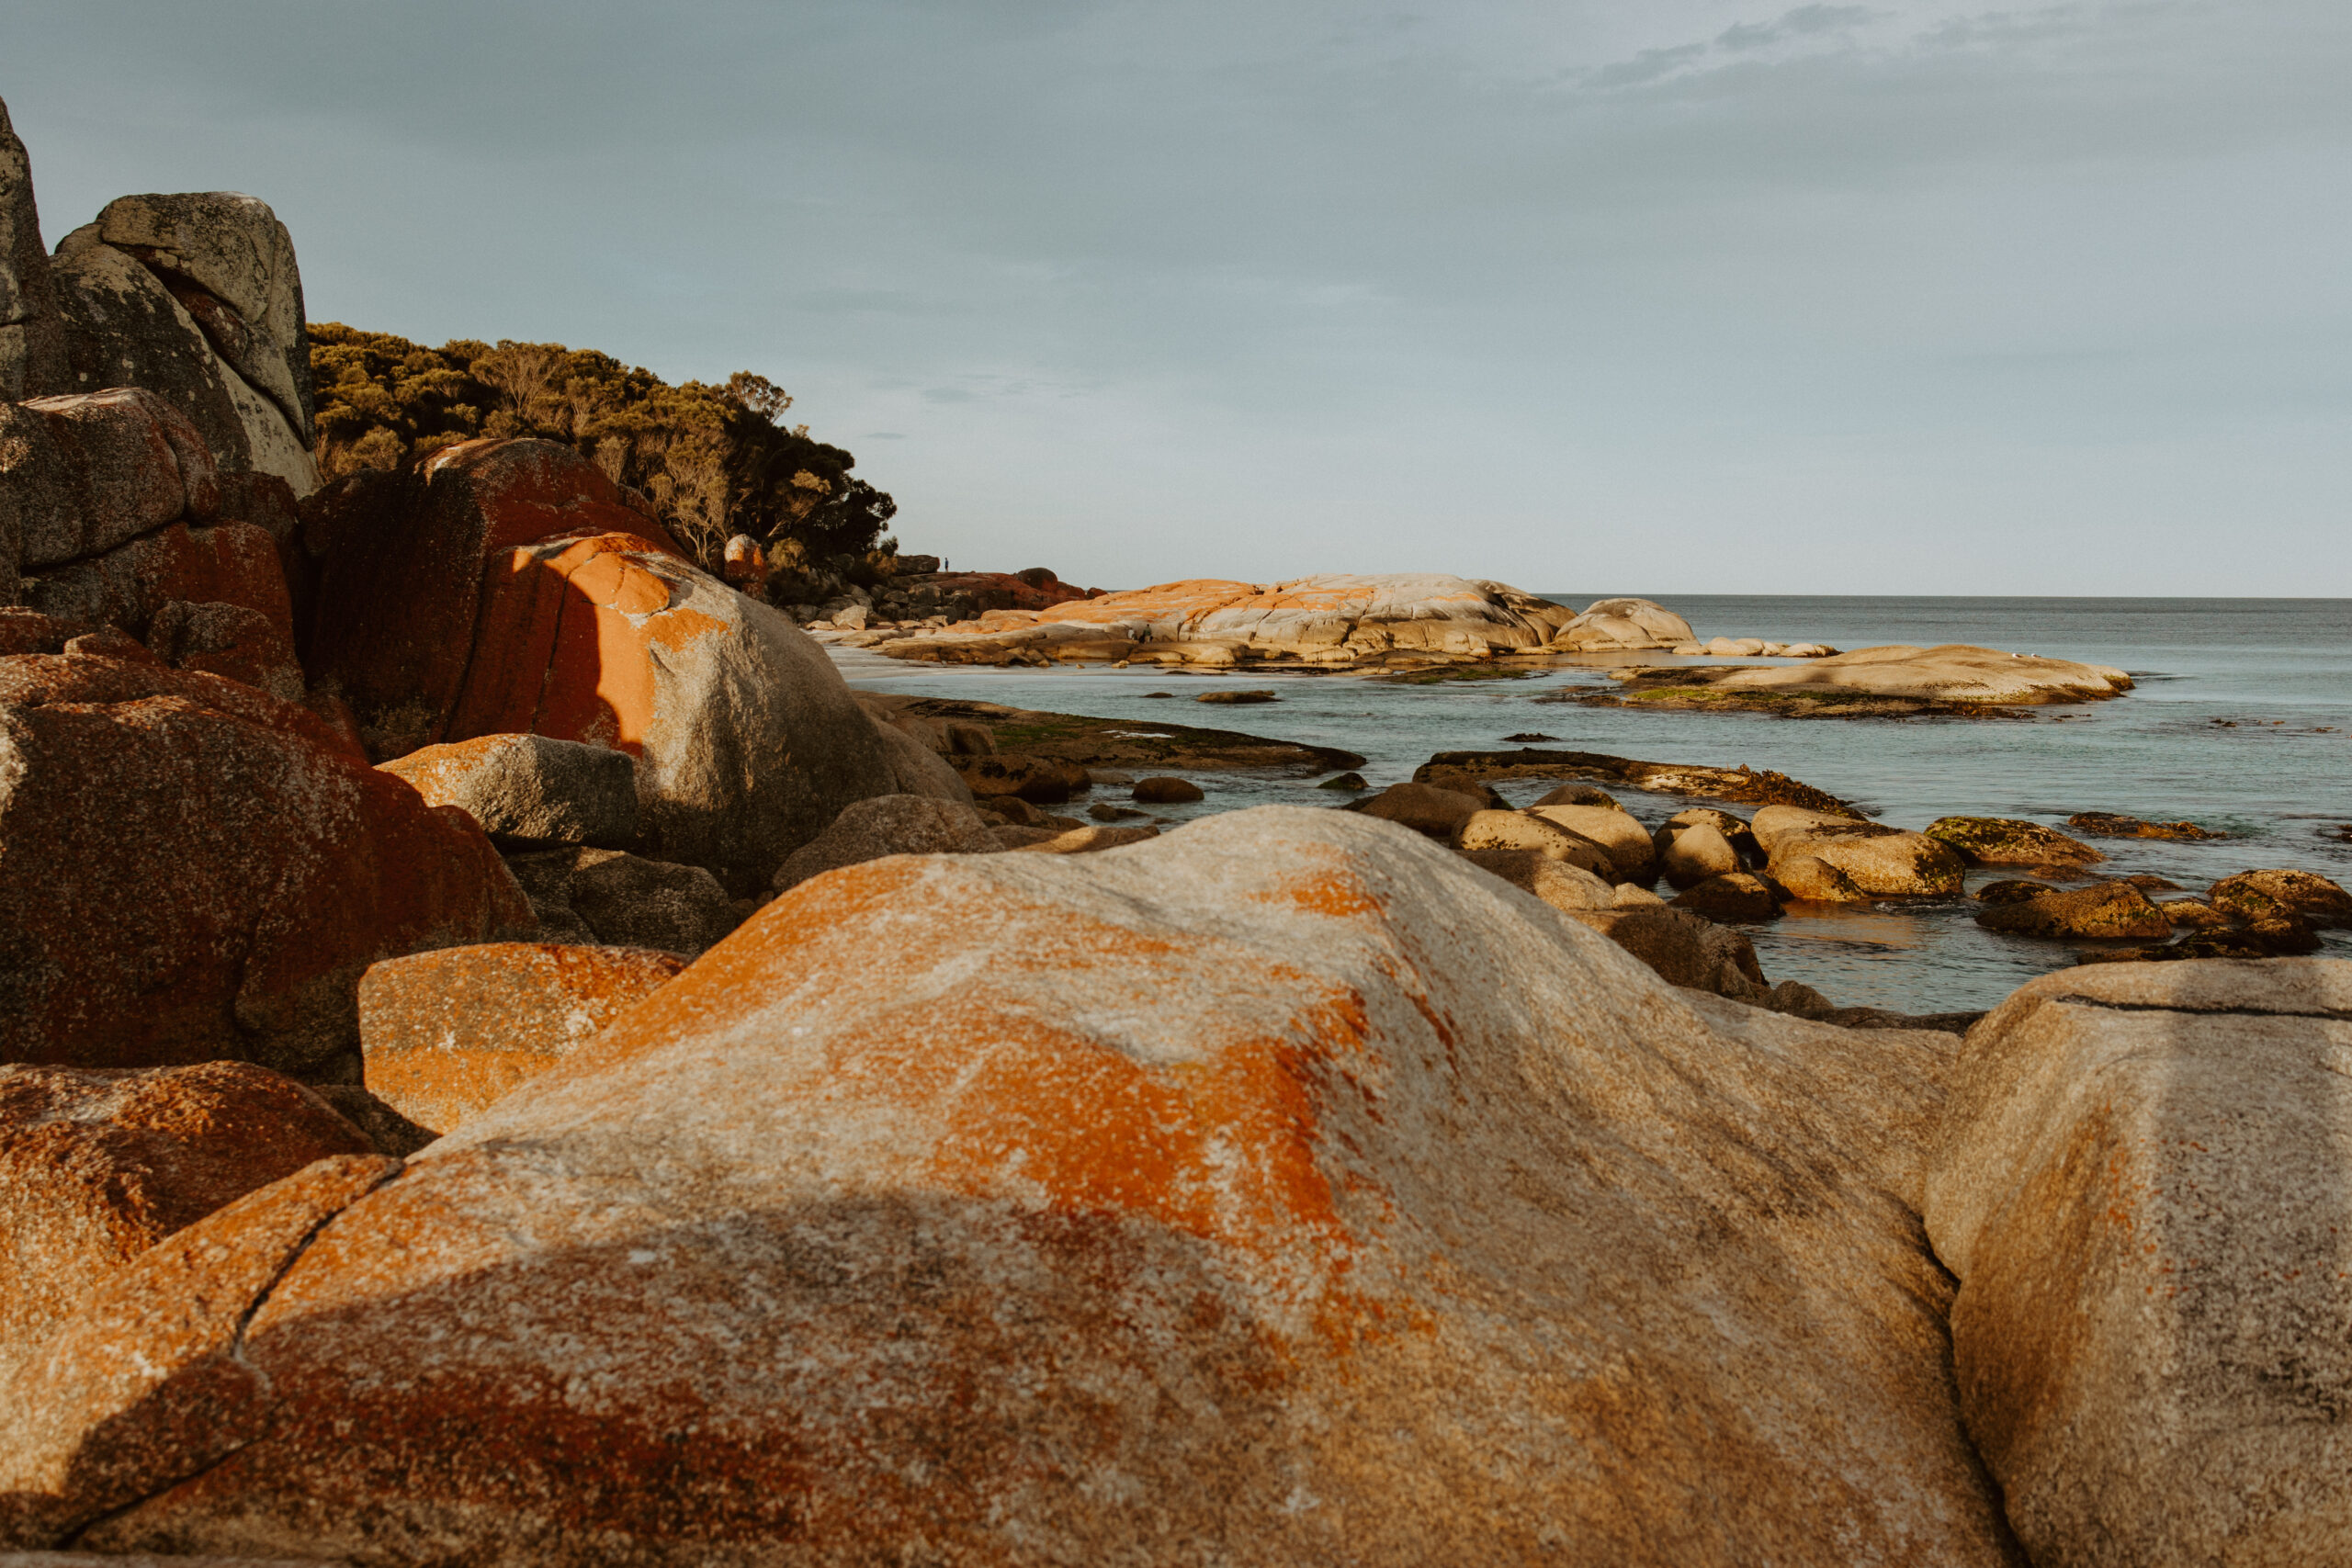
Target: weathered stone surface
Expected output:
[446,1034]
[888,825]
[1335,1202]
[98,1165]
[2110,825]
[32,335]
[1081,841]
[1562,884]
[1581,794]
[228,259]
[1616,831]
[1623,623]
[531,787]
[219,897]
[917,769]
[1526,831]
[2266,895]
[2140,1183]
[1686,949]
[86,473]
[123,328]
[1425,808]
[630,901]
[234,641]
[1041,781]
[2104,909]
[1165,792]
[1954,672]
[747,742]
[1734,896]
[234,563]
[1735,831]
[2008,841]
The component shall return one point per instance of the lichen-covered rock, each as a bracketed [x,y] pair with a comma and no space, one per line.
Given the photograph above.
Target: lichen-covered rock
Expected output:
[446,1034]
[87,472]
[221,895]
[590,630]
[1283,1190]
[2111,825]
[32,335]
[2103,910]
[531,787]
[2008,841]
[1165,792]
[232,563]
[98,1165]
[231,640]
[888,825]
[1830,858]
[1041,781]
[2140,1185]
[2268,895]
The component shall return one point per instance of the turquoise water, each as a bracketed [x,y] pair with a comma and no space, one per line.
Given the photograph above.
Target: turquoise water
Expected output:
[2278,779]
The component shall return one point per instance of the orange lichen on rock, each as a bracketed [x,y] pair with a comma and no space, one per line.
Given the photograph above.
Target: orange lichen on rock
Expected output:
[444,1034]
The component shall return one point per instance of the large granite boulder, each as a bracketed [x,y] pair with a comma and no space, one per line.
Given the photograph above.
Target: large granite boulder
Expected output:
[2271,895]
[888,825]
[530,598]
[1826,858]
[84,473]
[1283,1189]
[2009,840]
[2141,1183]
[529,788]
[1953,672]
[32,333]
[220,894]
[98,1165]
[2104,910]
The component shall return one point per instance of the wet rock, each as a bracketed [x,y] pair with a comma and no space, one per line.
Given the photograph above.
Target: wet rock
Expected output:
[530,788]
[1489,1178]
[1685,948]
[1734,896]
[1821,857]
[2109,824]
[1581,794]
[888,825]
[1041,781]
[98,1165]
[1237,698]
[1166,792]
[2138,1183]
[2196,916]
[2265,895]
[446,1035]
[1735,831]
[1614,830]
[221,895]
[1103,811]
[2007,840]
[1350,782]
[2105,910]
[1425,808]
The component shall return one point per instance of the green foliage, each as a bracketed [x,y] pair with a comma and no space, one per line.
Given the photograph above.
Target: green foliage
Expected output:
[715,460]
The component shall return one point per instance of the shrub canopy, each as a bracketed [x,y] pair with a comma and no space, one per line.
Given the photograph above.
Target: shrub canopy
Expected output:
[714,459]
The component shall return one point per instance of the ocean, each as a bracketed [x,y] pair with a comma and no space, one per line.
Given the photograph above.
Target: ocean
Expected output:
[2240,722]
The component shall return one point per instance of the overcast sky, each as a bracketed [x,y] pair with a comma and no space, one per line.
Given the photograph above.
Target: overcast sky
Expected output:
[1647,296]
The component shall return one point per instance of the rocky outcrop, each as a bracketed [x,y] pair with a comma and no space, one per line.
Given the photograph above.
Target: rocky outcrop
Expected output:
[1285,1183]
[445,1035]
[222,893]
[1488,831]
[1894,680]
[32,335]
[888,825]
[1333,620]
[530,789]
[2110,825]
[1830,858]
[532,599]
[1734,896]
[2266,895]
[2140,1184]
[1610,624]
[1625,841]
[2008,841]
[589,895]
[1741,783]
[95,1167]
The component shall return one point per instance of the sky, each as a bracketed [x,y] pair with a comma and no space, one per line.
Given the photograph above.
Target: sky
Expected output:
[1643,296]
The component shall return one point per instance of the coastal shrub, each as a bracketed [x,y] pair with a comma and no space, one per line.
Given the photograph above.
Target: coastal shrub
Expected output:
[716,460]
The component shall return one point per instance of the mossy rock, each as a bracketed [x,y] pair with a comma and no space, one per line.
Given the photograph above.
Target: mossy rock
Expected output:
[2008,841]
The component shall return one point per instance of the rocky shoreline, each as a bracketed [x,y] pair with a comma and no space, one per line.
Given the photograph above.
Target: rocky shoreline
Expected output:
[507,1059]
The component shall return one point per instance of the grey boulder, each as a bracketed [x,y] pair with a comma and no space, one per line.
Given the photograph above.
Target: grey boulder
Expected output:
[889,825]
[591,895]
[531,787]
[32,335]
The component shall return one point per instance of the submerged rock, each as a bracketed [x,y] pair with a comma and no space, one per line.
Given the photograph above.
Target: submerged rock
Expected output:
[2007,840]
[2104,909]
[2108,825]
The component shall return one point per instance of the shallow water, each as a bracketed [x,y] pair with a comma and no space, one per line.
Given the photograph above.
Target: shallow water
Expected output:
[2279,671]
